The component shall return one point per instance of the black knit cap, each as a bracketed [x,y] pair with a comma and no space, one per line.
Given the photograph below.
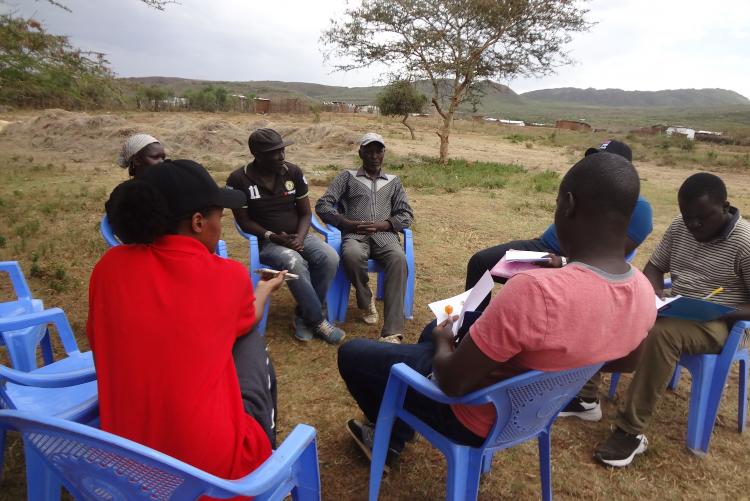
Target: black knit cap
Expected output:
[612,146]
[188,188]
[263,140]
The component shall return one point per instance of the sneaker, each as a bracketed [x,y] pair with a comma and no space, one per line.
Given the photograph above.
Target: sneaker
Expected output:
[301,331]
[364,436]
[370,315]
[393,338]
[329,333]
[620,449]
[587,409]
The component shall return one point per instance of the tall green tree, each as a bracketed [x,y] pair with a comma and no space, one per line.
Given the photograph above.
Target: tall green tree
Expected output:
[38,69]
[455,42]
[401,98]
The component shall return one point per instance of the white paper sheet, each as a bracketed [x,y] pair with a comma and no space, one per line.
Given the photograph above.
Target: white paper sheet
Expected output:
[466,301]
[660,303]
[518,256]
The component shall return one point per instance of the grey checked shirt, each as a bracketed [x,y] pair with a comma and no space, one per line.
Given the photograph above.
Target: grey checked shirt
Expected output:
[353,195]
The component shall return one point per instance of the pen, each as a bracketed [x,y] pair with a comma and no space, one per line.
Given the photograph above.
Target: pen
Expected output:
[714,292]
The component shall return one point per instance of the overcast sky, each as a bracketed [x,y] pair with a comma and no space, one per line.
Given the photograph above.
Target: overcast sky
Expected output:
[635,45]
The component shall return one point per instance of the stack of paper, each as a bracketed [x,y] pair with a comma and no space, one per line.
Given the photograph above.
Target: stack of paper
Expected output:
[517,261]
[466,301]
[517,256]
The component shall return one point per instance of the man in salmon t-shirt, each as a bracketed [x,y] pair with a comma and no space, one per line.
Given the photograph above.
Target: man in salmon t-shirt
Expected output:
[164,316]
[596,309]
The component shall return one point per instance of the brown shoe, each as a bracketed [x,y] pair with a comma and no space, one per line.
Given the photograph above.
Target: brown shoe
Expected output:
[393,338]
[370,315]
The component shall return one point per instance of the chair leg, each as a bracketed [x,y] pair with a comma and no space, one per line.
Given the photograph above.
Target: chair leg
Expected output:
[487,462]
[473,474]
[700,391]
[380,288]
[308,477]
[393,398]
[613,382]
[545,464]
[742,401]
[47,349]
[41,483]
[459,483]
[675,381]
[2,451]
[264,321]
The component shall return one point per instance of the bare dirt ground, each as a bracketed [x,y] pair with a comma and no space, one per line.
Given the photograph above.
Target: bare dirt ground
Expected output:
[58,169]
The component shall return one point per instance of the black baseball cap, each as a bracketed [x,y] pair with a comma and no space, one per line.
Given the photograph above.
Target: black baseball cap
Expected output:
[188,188]
[612,146]
[263,140]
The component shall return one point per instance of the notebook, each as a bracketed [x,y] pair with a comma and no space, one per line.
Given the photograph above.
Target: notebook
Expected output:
[687,308]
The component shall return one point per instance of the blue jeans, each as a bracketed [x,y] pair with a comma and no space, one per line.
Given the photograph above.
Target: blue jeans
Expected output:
[316,266]
[365,365]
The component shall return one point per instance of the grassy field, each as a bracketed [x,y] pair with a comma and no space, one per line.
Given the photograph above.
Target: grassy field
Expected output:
[58,168]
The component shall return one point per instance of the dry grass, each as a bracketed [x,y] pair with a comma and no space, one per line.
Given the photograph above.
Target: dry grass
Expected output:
[57,169]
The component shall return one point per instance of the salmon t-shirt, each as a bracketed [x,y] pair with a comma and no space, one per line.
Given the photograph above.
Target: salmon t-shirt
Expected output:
[558,319]
[162,322]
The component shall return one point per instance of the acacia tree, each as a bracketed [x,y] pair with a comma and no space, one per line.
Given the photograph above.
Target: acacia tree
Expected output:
[455,43]
[400,98]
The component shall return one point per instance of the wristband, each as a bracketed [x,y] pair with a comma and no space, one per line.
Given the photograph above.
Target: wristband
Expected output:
[564,260]
[267,235]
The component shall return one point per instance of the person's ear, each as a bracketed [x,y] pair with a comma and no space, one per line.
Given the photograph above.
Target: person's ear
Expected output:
[197,223]
[569,205]
[361,153]
[725,207]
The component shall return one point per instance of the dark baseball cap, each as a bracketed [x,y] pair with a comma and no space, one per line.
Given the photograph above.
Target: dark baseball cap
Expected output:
[612,146]
[263,140]
[188,188]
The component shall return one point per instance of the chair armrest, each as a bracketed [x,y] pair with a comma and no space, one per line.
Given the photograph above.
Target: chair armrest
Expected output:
[20,287]
[55,380]
[274,469]
[54,316]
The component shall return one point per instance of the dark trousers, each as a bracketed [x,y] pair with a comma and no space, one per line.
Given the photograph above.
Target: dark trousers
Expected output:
[486,259]
[365,365]
[257,379]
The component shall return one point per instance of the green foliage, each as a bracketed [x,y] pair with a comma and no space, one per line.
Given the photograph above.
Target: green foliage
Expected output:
[208,98]
[457,174]
[400,98]
[38,69]
[545,182]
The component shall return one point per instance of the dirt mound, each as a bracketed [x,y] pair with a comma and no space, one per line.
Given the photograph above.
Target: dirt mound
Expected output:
[190,138]
[65,131]
[326,136]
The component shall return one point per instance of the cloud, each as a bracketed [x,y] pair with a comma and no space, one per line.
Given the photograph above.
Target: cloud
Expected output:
[635,45]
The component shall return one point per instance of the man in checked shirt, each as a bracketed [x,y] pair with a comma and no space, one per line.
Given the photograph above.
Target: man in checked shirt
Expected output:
[370,208]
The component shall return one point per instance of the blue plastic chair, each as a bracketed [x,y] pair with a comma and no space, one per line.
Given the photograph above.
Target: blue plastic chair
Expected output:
[341,284]
[96,465]
[710,374]
[526,406]
[65,388]
[106,230]
[21,344]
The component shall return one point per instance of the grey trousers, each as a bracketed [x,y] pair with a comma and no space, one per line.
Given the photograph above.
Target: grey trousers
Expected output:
[393,260]
[257,379]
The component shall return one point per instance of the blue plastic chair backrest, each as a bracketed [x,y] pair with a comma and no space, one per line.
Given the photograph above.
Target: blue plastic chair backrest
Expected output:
[106,231]
[527,404]
[96,465]
[20,287]
[54,316]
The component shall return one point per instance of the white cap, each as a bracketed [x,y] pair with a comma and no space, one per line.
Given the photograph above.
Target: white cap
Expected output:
[371,137]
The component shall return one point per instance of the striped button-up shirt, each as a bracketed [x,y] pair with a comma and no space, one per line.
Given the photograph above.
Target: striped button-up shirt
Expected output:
[697,268]
[354,195]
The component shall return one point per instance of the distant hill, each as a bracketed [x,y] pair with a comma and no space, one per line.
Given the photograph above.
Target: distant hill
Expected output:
[693,98]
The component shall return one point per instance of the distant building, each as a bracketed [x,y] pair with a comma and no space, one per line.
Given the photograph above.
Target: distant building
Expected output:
[517,123]
[653,130]
[683,131]
[262,106]
[573,125]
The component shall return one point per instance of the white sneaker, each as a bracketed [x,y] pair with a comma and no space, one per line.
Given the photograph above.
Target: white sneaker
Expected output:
[370,315]
[578,407]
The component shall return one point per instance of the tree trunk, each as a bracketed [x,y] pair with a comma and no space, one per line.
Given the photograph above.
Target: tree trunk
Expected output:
[444,133]
[411,131]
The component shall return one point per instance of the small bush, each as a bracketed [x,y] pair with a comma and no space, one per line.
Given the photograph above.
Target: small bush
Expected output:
[545,182]
[427,172]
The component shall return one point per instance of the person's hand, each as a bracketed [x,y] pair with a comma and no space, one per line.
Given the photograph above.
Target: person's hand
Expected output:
[283,239]
[555,261]
[368,228]
[270,282]
[444,330]
[349,226]
[296,244]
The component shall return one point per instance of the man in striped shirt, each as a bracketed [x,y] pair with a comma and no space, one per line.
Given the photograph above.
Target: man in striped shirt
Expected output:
[370,208]
[707,247]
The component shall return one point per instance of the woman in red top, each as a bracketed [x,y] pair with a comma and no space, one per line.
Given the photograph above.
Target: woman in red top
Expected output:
[164,315]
